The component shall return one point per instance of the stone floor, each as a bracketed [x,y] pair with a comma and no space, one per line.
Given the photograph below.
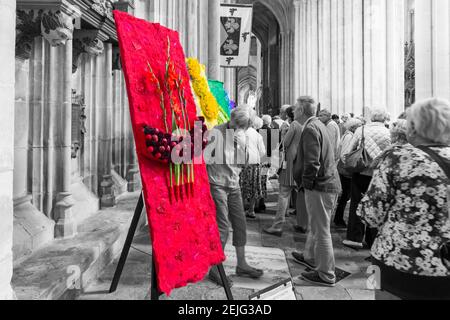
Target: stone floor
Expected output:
[270,253]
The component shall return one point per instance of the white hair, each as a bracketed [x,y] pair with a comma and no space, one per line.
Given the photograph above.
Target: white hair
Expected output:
[284,108]
[353,124]
[267,120]
[307,105]
[241,117]
[431,119]
[257,123]
[345,117]
[379,115]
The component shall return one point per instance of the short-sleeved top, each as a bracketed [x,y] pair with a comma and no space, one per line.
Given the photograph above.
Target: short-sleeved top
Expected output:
[407,202]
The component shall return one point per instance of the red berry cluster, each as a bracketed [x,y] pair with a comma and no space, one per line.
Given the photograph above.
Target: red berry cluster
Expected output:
[198,134]
[160,145]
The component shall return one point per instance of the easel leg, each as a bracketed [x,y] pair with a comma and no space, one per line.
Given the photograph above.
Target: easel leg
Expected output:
[127,245]
[223,277]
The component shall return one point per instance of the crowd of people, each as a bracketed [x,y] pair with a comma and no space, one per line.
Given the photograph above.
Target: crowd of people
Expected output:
[394,174]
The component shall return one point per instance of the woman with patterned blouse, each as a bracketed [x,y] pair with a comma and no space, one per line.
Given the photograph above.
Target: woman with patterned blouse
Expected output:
[407,201]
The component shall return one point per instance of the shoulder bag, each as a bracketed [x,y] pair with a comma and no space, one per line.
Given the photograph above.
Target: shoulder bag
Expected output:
[357,161]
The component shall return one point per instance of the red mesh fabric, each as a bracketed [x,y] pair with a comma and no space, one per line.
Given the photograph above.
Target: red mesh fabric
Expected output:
[184,232]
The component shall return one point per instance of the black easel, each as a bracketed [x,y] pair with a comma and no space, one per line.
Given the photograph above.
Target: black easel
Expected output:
[155,294]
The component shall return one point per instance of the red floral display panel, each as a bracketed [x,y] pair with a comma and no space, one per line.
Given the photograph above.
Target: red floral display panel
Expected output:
[183,227]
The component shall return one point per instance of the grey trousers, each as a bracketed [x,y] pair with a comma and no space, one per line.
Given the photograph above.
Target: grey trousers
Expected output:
[230,210]
[302,213]
[283,205]
[319,245]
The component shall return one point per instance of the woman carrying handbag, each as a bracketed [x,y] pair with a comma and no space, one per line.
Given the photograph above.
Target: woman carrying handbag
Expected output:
[367,144]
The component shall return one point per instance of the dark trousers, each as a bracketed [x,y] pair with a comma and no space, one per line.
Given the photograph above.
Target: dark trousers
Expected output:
[346,183]
[356,229]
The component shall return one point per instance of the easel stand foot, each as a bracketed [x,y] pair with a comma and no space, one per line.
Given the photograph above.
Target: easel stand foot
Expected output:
[154,294]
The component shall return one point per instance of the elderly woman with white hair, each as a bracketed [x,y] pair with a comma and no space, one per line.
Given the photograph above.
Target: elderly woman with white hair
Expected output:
[376,138]
[408,202]
[225,159]
[250,177]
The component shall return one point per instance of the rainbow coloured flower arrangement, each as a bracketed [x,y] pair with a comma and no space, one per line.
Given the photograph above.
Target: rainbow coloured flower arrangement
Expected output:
[222,99]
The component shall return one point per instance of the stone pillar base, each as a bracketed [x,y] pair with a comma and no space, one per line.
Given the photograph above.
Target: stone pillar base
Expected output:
[32,229]
[66,226]
[108,199]
[120,184]
[134,179]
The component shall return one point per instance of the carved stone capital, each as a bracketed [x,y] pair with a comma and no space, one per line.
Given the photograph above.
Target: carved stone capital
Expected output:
[54,22]
[103,7]
[87,41]
[57,27]
[28,27]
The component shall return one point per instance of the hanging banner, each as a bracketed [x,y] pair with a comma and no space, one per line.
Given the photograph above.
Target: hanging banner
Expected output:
[235,35]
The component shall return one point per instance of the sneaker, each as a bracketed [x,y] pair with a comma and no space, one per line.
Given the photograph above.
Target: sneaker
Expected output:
[300,259]
[353,244]
[314,277]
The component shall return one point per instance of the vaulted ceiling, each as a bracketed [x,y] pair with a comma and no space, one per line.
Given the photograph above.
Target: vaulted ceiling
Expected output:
[281,9]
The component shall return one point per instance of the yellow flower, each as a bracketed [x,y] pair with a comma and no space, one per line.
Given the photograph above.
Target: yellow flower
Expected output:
[208,103]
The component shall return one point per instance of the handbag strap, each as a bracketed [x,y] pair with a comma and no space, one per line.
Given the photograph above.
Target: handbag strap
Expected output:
[444,164]
[363,139]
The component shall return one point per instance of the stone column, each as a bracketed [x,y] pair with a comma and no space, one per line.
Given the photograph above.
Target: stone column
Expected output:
[7,53]
[395,64]
[154,11]
[314,50]
[340,58]
[333,107]
[65,225]
[107,184]
[383,63]
[432,49]
[304,48]
[325,52]
[163,11]
[31,227]
[214,39]
[282,38]
[192,24]
[203,31]
[297,49]
[308,48]
[170,14]
[357,57]
[348,56]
